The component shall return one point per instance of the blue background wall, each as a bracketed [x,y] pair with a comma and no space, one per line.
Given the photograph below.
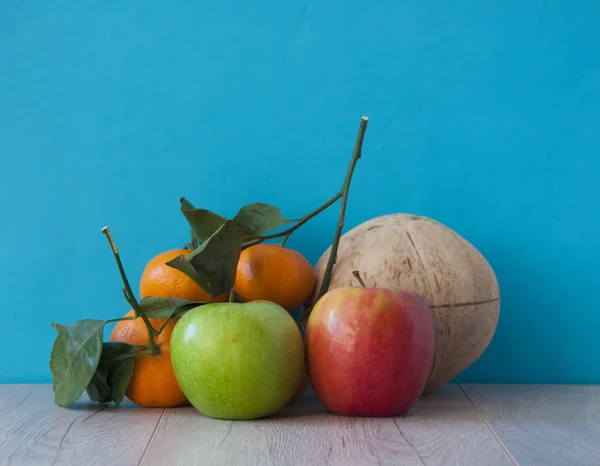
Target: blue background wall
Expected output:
[483,115]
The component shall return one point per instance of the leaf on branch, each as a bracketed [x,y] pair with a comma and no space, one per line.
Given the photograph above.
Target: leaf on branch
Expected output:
[213,265]
[182,263]
[119,376]
[204,223]
[259,218]
[182,309]
[98,389]
[57,327]
[74,358]
[165,308]
[115,351]
[156,308]
[113,373]
[180,306]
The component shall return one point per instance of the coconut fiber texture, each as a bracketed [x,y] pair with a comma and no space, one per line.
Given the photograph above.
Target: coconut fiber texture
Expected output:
[402,251]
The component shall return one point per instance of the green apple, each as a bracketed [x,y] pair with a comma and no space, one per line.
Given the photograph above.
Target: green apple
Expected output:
[238,360]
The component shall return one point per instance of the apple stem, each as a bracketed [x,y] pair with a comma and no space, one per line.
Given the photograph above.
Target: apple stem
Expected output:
[356,274]
[343,194]
[232,295]
[129,296]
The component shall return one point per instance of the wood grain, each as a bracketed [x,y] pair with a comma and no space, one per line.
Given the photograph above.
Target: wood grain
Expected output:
[543,425]
[484,424]
[442,429]
[35,431]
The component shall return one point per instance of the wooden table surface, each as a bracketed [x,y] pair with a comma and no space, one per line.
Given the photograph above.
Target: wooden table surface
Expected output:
[457,425]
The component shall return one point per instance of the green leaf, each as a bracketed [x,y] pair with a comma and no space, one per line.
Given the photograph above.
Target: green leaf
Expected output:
[214,263]
[119,376]
[57,327]
[156,308]
[74,358]
[182,263]
[113,373]
[203,222]
[183,308]
[165,308]
[115,351]
[98,389]
[258,218]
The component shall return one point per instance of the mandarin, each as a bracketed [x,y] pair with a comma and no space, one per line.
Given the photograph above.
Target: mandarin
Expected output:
[153,383]
[160,280]
[274,273]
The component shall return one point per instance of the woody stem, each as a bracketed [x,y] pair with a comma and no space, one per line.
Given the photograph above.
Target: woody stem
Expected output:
[287,232]
[129,293]
[356,154]
[343,194]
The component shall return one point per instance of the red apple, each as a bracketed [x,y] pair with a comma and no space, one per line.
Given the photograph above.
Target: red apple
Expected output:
[370,350]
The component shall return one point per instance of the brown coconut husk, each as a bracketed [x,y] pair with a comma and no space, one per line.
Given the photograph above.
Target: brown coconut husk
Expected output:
[402,251]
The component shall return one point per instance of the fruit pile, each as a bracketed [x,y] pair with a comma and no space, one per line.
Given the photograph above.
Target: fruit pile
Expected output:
[213,327]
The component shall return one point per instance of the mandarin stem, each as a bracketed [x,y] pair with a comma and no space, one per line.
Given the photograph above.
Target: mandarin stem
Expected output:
[284,240]
[131,300]
[162,327]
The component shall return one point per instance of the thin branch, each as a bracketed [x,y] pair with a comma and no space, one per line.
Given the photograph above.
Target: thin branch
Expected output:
[290,230]
[343,194]
[129,293]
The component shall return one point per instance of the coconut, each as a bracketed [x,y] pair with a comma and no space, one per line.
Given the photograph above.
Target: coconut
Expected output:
[408,252]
